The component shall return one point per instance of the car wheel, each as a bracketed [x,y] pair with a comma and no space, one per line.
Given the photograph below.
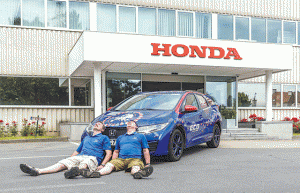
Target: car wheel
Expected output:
[176,146]
[215,141]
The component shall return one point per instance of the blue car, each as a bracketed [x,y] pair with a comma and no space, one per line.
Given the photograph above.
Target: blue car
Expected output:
[170,120]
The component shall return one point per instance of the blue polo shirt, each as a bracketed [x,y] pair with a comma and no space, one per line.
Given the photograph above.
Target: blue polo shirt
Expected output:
[131,146]
[94,146]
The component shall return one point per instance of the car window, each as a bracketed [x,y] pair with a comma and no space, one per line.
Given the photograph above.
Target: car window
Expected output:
[202,101]
[191,100]
[210,100]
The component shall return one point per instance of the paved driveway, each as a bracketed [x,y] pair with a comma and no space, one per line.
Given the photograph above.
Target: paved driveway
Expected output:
[237,166]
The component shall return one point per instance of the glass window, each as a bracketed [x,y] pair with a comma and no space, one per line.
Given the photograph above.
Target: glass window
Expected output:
[191,100]
[298,33]
[160,86]
[79,15]
[289,95]
[289,32]
[80,92]
[298,96]
[203,25]
[106,18]
[274,31]
[241,28]
[185,24]
[127,17]
[276,95]
[10,12]
[225,27]
[202,102]
[147,21]
[166,22]
[252,95]
[57,14]
[33,91]
[258,29]
[33,12]
[199,87]
[120,86]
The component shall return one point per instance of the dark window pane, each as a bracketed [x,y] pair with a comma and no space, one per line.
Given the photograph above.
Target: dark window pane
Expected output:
[160,86]
[81,92]
[33,91]
[276,95]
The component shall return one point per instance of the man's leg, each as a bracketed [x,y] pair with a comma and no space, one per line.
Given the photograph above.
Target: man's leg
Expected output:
[36,171]
[138,170]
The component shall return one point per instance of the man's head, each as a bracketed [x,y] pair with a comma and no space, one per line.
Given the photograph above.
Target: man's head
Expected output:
[132,126]
[98,128]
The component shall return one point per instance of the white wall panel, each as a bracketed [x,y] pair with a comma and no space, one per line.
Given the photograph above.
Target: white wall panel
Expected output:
[28,51]
[280,9]
[53,116]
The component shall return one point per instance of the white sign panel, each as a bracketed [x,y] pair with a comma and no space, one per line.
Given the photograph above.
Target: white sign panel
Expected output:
[185,51]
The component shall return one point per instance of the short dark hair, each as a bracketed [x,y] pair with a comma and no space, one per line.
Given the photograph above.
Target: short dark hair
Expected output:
[134,123]
[103,126]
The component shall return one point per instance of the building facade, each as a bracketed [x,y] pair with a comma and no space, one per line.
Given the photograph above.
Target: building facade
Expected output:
[68,61]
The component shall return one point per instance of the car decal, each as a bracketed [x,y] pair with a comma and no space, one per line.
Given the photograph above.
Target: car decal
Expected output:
[121,119]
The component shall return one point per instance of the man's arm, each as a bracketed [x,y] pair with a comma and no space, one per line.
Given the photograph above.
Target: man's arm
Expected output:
[75,153]
[115,154]
[146,156]
[106,159]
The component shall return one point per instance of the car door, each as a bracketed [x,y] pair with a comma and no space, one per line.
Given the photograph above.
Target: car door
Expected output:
[207,117]
[192,121]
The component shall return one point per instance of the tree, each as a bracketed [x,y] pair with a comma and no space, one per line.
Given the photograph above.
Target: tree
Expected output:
[244,100]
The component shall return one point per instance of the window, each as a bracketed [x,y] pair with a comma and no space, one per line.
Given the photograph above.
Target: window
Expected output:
[33,12]
[80,92]
[203,25]
[298,33]
[127,17]
[252,95]
[298,96]
[57,14]
[185,24]
[147,21]
[202,102]
[258,29]
[10,12]
[166,22]
[289,32]
[79,15]
[106,19]
[225,27]
[241,28]
[191,100]
[289,95]
[274,31]
[276,95]
[33,91]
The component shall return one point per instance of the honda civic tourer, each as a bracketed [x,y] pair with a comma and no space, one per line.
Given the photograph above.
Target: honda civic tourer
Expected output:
[170,120]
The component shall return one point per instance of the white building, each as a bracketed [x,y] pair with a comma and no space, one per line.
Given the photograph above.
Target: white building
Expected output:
[68,61]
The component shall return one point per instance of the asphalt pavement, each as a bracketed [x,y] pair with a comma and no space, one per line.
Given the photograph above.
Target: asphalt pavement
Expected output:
[236,166]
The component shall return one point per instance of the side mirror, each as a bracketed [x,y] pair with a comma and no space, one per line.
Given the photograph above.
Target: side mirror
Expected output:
[109,108]
[190,108]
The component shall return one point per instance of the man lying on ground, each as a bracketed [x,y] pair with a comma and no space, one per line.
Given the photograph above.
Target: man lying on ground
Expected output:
[88,155]
[127,155]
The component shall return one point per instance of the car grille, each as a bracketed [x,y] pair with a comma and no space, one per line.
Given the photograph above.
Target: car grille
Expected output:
[114,132]
[153,146]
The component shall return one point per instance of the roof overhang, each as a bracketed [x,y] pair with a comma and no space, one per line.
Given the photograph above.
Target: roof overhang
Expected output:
[136,54]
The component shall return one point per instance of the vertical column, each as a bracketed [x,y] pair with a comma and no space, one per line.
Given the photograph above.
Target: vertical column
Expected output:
[93,16]
[268,95]
[214,26]
[97,89]
[236,101]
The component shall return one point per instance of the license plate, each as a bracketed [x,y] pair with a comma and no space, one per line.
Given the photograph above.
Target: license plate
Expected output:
[113,142]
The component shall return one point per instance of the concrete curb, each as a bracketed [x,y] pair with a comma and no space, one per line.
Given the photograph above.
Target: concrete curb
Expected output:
[34,140]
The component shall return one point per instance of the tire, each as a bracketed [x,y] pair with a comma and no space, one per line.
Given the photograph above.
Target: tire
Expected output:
[215,141]
[176,146]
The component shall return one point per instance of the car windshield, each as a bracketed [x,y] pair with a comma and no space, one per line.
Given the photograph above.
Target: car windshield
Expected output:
[150,102]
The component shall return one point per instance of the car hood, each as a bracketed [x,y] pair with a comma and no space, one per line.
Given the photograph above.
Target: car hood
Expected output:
[143,118]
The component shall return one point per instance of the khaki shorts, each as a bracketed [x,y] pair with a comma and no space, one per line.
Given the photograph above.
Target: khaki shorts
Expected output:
[79,160]
[122,164]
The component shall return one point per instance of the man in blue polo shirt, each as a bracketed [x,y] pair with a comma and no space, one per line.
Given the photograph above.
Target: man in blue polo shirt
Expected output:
[128,154]
[88,155]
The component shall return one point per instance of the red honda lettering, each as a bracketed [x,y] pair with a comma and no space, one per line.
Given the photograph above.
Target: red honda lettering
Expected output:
[201,54]
[233,52]
[165,49]
[212,52]
[185,50]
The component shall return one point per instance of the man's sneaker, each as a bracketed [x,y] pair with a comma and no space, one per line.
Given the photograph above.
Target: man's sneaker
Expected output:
[29,170]
[88,174]
[73,172]
[145,172]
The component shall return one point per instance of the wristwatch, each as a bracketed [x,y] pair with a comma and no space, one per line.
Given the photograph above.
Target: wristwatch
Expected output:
[103,165]
[148,164]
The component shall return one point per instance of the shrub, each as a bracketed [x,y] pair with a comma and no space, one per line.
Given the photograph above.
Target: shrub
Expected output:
[13,129]
[228,113]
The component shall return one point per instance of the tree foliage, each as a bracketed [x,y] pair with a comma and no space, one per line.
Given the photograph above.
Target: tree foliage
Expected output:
[244,100]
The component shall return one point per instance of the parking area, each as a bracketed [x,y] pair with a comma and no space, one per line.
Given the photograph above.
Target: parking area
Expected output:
[236,166]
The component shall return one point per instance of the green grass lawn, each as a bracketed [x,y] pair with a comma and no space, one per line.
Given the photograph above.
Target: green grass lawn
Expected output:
[27,137]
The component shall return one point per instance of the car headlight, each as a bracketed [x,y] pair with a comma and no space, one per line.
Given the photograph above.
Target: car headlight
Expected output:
[152,128]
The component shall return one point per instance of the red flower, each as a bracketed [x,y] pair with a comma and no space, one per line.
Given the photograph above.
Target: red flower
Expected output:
[252,116]
[259,118]
[29,124]
[14,122]
[43,123]
[244,120]
[31,133]
[33,122]
[295,119]
[1,121]
[7,124]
